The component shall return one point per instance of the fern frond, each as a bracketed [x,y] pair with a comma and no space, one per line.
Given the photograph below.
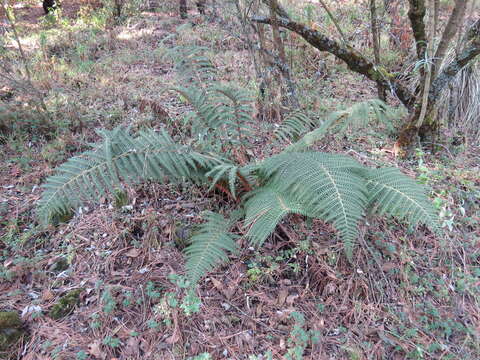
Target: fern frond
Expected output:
[392,193]
[192,64]
[236,116]
[220,172]
[357,115]
[205,116]
[121,157]
[209,246]
[328,186]
[360,114]
[265,208]
[294,125]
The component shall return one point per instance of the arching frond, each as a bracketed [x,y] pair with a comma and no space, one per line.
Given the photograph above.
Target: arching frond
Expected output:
[120,157]
[192,64]
[209,246]
[392,193]
[294,125]
[205,115]
[357,115]
[327,186]
[265,208]
[236,115]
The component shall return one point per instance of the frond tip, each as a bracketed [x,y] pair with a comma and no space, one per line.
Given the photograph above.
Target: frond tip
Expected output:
[209,246]
[392,193]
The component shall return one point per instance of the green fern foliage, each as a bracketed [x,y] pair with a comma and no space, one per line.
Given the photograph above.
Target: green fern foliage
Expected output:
[209,246]
[293,126]
[265,208]
[334,188]
[392,193]
[212,149]
[121,157]
[192,64]
[357,116]
[236,114]
[328,186]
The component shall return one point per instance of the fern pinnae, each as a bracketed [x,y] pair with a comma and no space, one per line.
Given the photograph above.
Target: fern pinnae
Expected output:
[209,246]
[328,186]
[265,208]
[395,194]
[121,157]
[295,124]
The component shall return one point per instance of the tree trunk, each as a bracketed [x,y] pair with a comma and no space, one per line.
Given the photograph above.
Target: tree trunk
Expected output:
[289,97]
[382,94]
[183,9]
[201,6]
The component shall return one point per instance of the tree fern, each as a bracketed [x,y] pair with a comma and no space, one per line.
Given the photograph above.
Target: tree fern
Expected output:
[213,151]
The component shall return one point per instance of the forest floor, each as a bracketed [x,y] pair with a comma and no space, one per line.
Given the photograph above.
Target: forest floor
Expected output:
[407,293]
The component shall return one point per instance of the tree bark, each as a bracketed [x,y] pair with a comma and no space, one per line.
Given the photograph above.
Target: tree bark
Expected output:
[290,98]
[470,51]
[183,9]
[354,60]
[416,14]
[453,25]
[376,46]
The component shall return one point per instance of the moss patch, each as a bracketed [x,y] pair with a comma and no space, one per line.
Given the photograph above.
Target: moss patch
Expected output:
[10,329]
[66,304]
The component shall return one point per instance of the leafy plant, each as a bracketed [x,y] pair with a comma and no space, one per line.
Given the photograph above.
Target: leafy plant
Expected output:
[212,148]
[299,337]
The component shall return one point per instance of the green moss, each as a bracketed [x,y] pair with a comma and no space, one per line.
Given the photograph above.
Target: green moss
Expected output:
[66,304]
[10,330]
[120,198]
[61,264]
